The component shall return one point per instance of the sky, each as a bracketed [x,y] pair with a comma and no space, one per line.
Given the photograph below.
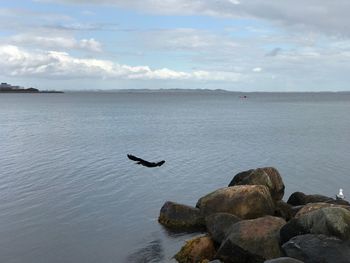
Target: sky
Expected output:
[238,45]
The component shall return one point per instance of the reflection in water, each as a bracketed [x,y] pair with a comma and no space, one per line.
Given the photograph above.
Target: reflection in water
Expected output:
[152,253]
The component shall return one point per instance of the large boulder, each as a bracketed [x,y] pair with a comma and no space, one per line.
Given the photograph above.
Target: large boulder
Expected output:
[196,250]
[299,198]
[267,176]
[318,248]
[243,201]
[252,241]
[219,224]
[330,221]
[315,206]
[283,260]
[284,210]
[179,216]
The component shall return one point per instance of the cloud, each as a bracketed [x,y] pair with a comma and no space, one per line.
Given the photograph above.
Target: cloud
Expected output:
[258,69]
[325,16]
[55,42]
[186,39]
[18,62]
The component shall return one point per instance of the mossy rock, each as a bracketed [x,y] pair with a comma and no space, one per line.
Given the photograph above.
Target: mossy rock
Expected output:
[199,249]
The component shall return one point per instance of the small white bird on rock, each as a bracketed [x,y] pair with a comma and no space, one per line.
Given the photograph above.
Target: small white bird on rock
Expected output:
[340,196]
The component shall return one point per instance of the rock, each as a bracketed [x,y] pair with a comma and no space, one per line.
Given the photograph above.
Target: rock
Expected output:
[283,260]
[315,206]
[296,209]
[330,221]
[267,176]
[339,202]
[179,216]
[317,248]
[218,225]
[243,201]
[284,210]
[299,198]
[252,241]
[196,250]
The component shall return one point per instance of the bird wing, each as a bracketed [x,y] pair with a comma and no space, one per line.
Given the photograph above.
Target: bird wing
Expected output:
[134,158]
[160,163]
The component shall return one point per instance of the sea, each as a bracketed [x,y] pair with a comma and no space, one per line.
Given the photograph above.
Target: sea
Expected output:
[69,193]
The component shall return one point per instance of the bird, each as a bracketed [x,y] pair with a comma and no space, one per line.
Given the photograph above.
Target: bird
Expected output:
[145,163]
[340,196]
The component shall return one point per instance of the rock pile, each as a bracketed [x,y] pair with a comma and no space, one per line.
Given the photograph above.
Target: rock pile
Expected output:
[247,222]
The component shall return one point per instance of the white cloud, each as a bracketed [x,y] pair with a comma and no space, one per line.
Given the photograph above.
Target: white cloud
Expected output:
[55,42]
[18,62]
[258,69]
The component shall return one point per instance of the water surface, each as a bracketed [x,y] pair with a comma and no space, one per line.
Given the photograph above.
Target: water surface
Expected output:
[69,194]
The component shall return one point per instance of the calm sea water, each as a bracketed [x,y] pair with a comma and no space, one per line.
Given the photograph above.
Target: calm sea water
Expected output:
[69,194]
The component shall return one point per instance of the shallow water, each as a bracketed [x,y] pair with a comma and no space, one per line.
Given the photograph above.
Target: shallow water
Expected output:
[69,194]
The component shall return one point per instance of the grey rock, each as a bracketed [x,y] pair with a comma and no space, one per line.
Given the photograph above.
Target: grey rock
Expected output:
[299,198]
[283,260]
[318,248]
[330,221]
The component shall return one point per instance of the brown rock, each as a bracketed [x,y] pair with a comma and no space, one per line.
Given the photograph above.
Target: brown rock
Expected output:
[180,216]
[252,241]
[196,250]
[267,176]
[284,210]
[243,201]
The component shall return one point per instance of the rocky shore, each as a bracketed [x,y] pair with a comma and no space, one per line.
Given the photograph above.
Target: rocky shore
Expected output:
[248,222]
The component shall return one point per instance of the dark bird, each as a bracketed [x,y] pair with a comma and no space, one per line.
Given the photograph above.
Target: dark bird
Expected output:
[145,163]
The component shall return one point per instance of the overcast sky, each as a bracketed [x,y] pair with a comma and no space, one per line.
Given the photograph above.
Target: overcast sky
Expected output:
[245,45]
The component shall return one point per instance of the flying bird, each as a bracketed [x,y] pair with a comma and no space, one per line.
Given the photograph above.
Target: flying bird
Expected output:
[145,163]
[340,196]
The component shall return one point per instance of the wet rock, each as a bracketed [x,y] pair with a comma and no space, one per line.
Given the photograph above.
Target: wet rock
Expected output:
[243,201]
[284,210]
[196,250]
[252,241]
[330,221]
[318,248]
[315,206]
[283,260]
[180,216]
[299,198]
[267,176]
[219,224]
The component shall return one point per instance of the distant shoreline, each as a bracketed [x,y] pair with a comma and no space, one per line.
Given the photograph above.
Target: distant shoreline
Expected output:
[217,91]
[30,92]
[8,88]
